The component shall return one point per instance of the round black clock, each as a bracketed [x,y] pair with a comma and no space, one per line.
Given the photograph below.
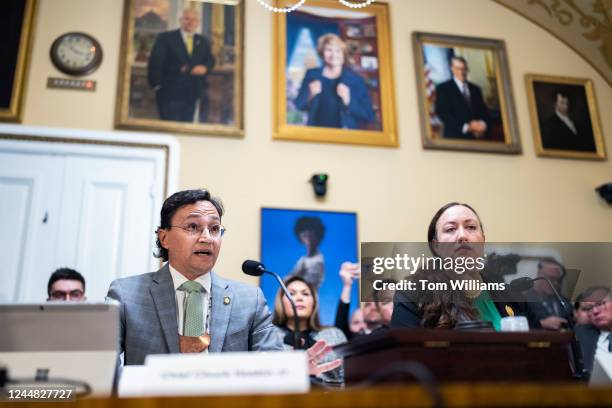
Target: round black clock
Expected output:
[76,53]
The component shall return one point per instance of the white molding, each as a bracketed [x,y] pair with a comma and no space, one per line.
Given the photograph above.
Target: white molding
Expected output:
[120,148]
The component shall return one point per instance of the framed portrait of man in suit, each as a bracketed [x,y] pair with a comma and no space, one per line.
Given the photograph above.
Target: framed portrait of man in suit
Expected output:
[333,79]
[182,67]
[16,26]
[311,245]
[465,94]
[564,117]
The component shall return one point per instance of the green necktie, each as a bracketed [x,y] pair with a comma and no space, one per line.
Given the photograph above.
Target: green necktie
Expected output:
[193,324]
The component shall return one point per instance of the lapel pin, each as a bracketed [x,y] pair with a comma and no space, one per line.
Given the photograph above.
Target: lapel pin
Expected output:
[226,300]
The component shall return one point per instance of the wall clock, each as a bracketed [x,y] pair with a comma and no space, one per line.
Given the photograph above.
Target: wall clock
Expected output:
[76,53]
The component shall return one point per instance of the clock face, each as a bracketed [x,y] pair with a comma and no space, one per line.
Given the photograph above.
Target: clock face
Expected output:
[76,53]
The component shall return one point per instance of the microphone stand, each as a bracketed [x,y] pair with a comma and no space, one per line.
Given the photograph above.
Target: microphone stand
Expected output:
[579,371]
[296,319]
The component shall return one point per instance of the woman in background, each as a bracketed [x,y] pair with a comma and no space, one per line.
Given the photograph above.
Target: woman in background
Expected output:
[454,231]
[334,95]
[310,329]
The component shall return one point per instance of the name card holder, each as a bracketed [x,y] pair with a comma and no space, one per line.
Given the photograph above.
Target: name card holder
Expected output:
[218,374]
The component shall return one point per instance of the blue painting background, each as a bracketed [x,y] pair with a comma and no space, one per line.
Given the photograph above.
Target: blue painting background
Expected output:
[280,250]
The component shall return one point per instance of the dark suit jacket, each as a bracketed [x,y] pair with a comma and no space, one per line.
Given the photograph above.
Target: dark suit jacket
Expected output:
[587,335]
[454,111]
[168,56]
[356,115]
[148,323]
[557,135]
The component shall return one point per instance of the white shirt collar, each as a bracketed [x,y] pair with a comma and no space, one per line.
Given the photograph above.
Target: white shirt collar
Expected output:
[565,119]
[178,279]
[461,84]
[185,34]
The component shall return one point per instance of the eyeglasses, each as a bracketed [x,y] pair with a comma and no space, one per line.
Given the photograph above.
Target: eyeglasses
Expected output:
[214,231]
[72,295]
[592,305]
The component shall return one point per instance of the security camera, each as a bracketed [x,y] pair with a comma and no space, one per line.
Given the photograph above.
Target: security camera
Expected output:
[319,184]
[605,191]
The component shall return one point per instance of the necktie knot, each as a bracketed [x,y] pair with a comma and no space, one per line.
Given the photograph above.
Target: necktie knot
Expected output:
[191,286]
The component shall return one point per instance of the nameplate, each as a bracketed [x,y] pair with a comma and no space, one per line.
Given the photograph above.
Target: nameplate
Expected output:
[222,374]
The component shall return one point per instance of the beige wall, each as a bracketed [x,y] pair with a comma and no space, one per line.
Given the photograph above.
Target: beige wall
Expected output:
[395,191]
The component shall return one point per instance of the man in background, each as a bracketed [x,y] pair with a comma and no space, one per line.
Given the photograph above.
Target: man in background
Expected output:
[560,131]
[584,303]
[548,311]
[595,338]
[460,105]
[66,284]
[179,61]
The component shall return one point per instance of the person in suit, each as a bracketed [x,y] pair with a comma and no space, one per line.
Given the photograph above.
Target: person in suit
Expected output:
[545,308]
[310,329]
[179,61]
[454,231]
[596,338]
[560,131]
[460,105]
[66,284]
[334,95]
[185,306]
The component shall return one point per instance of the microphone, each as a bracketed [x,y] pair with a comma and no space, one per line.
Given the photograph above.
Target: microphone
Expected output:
[521,284]
[525,283]
[254,268]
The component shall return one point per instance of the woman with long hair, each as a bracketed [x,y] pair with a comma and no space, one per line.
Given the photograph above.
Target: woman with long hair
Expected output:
[454,231]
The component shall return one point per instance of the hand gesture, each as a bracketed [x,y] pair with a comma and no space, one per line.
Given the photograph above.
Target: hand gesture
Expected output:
[553,322]
[344,92]
[315,354]
[315,88]
[199,70]
[349,272]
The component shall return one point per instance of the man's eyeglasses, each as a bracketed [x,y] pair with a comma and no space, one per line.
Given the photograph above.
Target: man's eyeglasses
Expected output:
[214,230]
[72,295]
[592,305]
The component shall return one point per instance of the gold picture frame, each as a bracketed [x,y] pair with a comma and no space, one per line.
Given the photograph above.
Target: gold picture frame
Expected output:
[564,117]
[18,44]
[363,35]
[480,118]
[158,68]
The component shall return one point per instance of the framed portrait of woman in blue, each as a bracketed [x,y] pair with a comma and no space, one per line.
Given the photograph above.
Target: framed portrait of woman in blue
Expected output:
[311,245]
[333,74]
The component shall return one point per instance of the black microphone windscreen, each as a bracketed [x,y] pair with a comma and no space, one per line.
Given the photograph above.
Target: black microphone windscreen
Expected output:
[253,268]
[521,284]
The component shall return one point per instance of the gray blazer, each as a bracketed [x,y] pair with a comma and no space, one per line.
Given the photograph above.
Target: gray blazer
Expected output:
[148,316]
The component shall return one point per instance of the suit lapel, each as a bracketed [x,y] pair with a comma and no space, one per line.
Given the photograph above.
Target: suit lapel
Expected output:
[221,311]
[181,46]
[162,291]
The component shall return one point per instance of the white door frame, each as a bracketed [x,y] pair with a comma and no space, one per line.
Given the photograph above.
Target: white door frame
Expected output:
[162,149]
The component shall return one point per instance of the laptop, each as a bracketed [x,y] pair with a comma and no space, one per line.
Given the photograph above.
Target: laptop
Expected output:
[72,343]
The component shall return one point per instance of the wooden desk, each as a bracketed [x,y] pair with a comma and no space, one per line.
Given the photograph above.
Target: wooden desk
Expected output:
[455,395]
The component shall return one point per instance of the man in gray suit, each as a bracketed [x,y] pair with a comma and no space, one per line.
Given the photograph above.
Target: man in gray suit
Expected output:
[184,306]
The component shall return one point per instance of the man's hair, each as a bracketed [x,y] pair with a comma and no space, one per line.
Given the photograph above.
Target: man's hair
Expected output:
[582,297]
[178,200]
[64,274]
[561,93]
[553,261]
[313,224]
[458,58]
